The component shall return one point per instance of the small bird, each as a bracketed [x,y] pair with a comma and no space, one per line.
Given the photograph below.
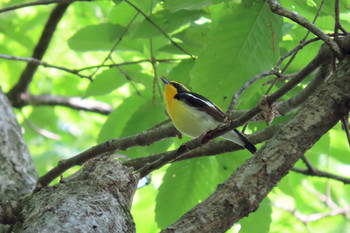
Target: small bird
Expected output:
[193,114]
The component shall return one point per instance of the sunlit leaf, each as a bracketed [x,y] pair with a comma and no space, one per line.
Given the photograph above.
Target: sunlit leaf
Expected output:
[236,51]
[105,82]
[185,184]
[95,37]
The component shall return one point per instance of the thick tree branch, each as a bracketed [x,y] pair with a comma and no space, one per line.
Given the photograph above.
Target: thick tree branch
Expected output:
[242,193]
[39,51]
[276,8]
[70,102]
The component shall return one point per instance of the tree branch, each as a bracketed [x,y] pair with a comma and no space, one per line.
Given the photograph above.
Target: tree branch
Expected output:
[38,62]
[320,173]
[70,102]
[39,51]
[277,9]
[79,70]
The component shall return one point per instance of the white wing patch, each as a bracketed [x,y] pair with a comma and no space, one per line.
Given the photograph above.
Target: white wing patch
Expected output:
[208,103]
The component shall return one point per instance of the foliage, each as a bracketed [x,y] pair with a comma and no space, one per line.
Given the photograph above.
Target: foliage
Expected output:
[232,40]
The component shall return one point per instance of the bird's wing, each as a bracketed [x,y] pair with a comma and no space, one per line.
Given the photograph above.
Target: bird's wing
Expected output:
[203,104]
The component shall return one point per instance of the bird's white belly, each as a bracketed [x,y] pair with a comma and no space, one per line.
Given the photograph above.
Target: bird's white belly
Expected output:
[192,122]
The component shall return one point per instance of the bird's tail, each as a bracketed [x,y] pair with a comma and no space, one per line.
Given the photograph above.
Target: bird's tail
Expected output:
[238,138]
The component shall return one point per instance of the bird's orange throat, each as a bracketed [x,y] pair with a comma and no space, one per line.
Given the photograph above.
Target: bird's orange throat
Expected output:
[169,93]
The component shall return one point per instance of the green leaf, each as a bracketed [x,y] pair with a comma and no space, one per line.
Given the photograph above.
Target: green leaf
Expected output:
[339,145]
[184,185]
[145,117]
[105,82]
[258,221]
[168,22]
[193,40]
[236,51]
[95,37]
[122,14]
[175,5]
[117,120]
[181,72]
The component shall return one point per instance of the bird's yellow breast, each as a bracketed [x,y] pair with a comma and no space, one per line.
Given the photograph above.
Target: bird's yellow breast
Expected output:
[189,120]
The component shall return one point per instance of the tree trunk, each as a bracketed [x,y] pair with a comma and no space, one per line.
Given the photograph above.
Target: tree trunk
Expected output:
[96,199]
[17,171]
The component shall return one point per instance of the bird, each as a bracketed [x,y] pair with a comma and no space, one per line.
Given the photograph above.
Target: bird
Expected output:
[194,115]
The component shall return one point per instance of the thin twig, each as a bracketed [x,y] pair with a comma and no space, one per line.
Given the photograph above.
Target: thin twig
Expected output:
[38,62]
[43,132]
[115,45]
[320,173]
[244,87]
[159,29]
[304,39]
[274,71]
[129,63]
[156,85]
[337,24]
[276,8]
[345,122]
[127,76]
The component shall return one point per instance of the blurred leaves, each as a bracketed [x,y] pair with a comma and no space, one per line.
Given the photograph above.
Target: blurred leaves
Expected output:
[232,40]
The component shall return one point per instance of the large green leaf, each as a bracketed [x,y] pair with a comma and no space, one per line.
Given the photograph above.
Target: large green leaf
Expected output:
[243,43]
[122,14]
[105,82]
[116,121]
[95,37]
[146,116]
[258,221]
[167,21]
[185,184]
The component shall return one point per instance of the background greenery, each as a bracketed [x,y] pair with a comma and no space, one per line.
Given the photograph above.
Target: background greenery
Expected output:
[232,41]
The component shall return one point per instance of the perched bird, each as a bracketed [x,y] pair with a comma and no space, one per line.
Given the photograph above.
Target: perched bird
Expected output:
[193,114]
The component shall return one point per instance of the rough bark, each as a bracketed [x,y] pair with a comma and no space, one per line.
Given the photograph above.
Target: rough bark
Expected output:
[17,171]
[95,199]
[242,193]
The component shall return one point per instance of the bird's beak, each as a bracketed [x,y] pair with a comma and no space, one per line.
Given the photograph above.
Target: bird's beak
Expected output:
[165,81]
